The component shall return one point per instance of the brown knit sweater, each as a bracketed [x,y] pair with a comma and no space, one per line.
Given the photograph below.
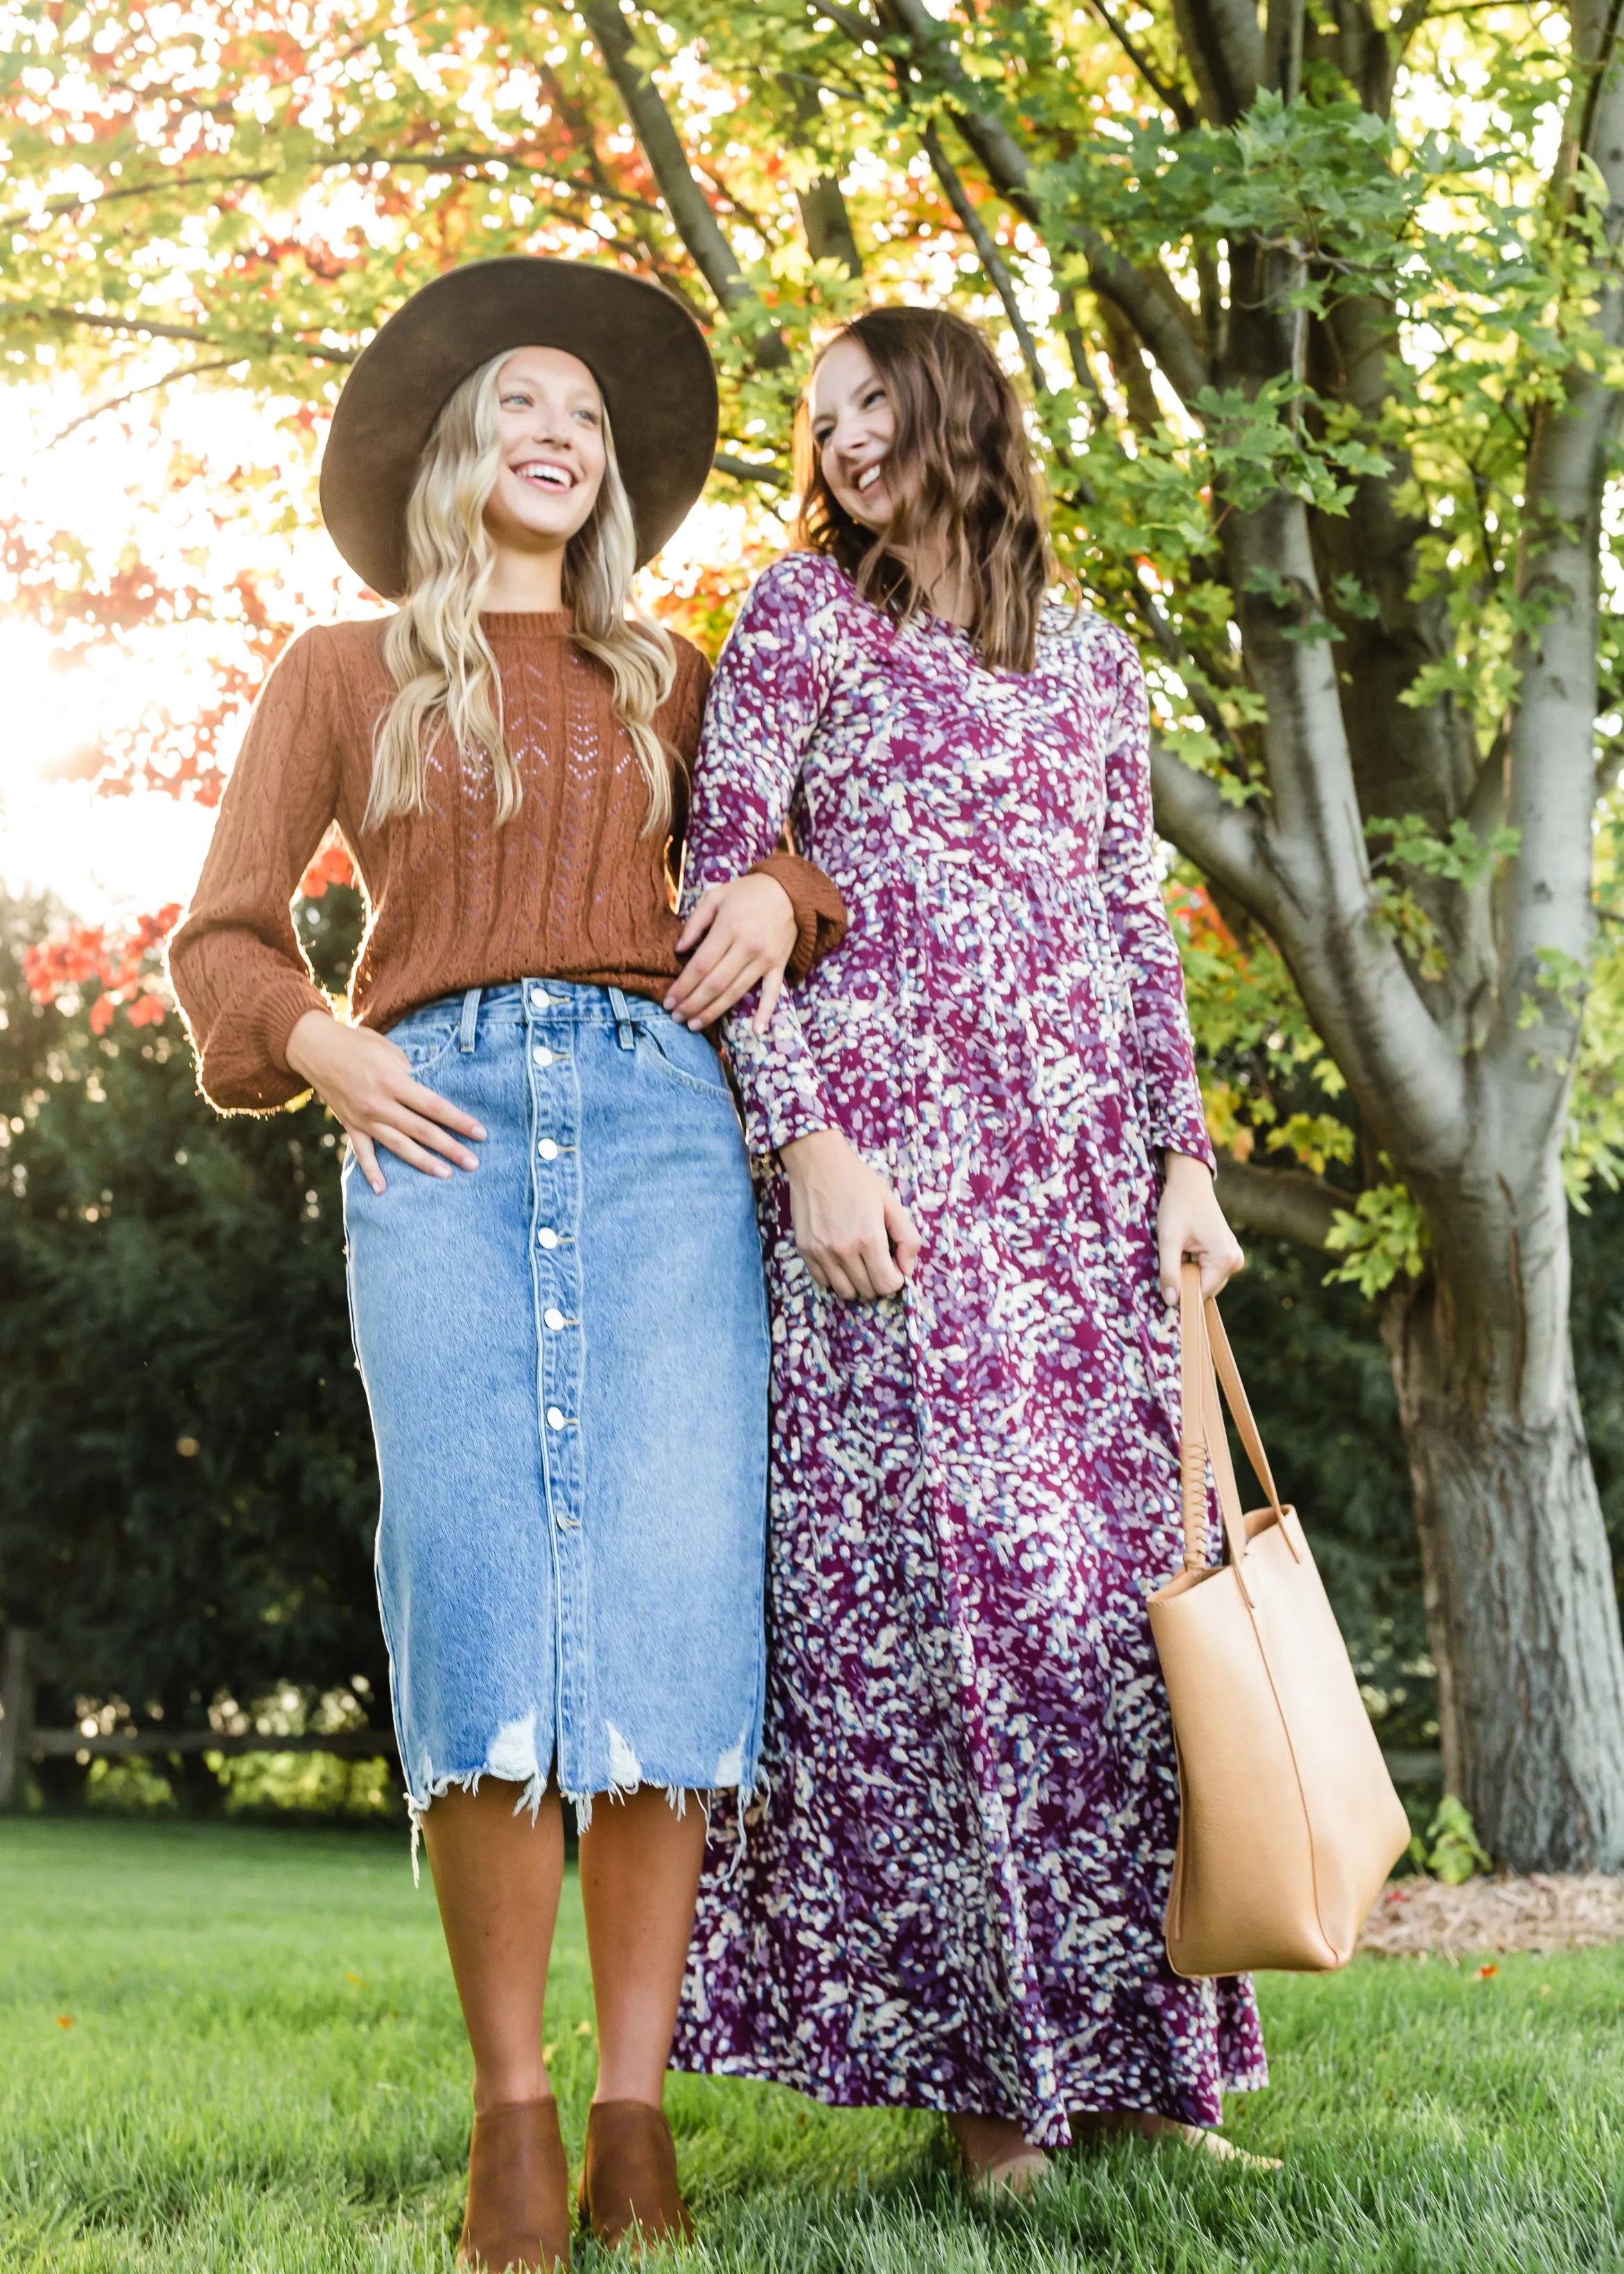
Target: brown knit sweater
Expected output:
[569,889]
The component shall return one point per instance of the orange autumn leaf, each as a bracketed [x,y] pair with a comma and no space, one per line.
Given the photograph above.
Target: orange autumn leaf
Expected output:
[331,866]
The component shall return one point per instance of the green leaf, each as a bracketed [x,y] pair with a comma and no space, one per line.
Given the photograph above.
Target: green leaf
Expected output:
[1383,1234]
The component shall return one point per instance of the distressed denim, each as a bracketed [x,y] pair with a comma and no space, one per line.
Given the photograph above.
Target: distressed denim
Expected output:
[565,1352]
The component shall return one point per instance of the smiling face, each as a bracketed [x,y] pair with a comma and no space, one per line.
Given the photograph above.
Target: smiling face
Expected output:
[553,451]
[853,424]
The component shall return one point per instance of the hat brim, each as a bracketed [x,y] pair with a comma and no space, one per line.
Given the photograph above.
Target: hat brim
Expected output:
[641,345]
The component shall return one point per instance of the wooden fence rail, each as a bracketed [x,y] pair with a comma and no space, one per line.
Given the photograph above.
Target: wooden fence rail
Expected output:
[21,1741]
[354,1744]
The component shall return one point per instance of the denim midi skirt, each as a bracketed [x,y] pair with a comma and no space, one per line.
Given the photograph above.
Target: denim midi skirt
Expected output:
[565,1352]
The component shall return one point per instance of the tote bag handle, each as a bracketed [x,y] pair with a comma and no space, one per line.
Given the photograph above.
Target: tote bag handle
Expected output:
[1205,1360]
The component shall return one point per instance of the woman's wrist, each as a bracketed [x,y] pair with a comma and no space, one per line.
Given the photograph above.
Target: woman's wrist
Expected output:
[306,1037]
[817,1144]
[1177,1166]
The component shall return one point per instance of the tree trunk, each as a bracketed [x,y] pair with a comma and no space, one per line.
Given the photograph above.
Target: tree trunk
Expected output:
[1517,1571]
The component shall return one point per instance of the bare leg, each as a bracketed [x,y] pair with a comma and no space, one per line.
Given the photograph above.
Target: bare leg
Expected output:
[996,2153]
[639,1881]
[497,1878]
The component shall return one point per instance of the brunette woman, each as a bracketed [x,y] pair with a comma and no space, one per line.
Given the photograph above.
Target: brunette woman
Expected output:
[984,1157]
[555,1279]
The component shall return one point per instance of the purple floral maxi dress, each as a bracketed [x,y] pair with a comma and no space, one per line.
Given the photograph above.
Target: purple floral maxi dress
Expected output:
[950,1894]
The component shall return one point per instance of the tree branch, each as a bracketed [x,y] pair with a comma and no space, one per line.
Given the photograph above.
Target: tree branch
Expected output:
[117,402]
[822,204]
[1146,296]
[828,224]
[1000,154]
[1282,48]
[579,125]
[987,252]
[1164,91]
[57,208]
[1548,920]
[1152,304]
[1130,369]
[852,21]
[685,202]
[1606,56]
[750,469]
[1226,842]
[454,161]
[1188,667]
[278,342]
[1224,46]
[1281,1203]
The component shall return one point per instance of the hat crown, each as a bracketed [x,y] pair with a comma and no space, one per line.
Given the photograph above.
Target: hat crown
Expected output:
[641,343]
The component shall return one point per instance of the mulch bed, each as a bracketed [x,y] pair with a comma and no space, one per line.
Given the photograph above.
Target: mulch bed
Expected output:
[1559,1911]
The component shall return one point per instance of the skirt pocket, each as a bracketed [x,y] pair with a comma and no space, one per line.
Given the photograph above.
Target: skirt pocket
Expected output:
[683,1056]
[425,1036]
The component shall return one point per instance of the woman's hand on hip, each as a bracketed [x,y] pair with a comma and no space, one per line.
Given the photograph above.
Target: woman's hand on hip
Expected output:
[1190,1223]
[741,936]
[366,1081]
[853,1233]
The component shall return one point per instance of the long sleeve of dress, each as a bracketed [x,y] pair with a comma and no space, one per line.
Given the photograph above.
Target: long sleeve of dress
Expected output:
[772,684]
[236,965]
[1145,938]
[819,910]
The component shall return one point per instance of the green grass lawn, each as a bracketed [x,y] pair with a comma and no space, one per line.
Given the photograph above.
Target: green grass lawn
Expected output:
[265,2070]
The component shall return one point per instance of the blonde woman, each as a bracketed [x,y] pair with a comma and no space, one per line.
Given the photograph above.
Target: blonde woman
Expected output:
[555,1279]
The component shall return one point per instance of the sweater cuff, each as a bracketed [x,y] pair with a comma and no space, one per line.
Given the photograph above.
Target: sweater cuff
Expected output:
[282,1006]
[820,912]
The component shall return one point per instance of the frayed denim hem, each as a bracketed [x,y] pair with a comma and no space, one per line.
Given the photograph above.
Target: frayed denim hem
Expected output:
[534,1790]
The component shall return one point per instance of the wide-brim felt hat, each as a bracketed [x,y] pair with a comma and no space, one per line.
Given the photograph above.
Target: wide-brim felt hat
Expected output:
[639,343]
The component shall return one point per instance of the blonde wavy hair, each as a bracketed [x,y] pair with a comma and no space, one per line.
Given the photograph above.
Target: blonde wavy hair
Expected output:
[436,650]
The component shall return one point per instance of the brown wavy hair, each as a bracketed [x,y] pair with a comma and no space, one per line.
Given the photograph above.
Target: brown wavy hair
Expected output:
[965,475]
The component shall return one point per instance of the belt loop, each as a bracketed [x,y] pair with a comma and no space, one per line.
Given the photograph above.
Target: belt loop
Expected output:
[625,1024]
[470,1018]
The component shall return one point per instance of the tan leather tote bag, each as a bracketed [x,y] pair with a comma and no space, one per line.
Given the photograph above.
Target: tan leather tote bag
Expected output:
[1288,1823]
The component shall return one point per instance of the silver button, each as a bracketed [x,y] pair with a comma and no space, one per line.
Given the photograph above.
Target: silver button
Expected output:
[542,1055]
[556,1420]
[547,1150]
[554,1320]
[538,998]
[546,1237]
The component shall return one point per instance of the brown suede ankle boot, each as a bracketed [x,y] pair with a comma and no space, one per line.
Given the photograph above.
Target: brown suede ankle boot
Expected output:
[518,2191]
[629,2184]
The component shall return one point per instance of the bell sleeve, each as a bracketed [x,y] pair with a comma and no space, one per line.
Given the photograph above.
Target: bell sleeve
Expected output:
[238,973]
[1145,938]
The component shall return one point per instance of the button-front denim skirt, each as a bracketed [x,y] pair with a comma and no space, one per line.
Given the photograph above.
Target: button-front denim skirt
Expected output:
[565,1351]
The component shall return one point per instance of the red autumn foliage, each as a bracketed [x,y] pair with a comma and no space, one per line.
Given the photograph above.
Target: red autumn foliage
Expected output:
[1191,907]
[331,866]
[123,965]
